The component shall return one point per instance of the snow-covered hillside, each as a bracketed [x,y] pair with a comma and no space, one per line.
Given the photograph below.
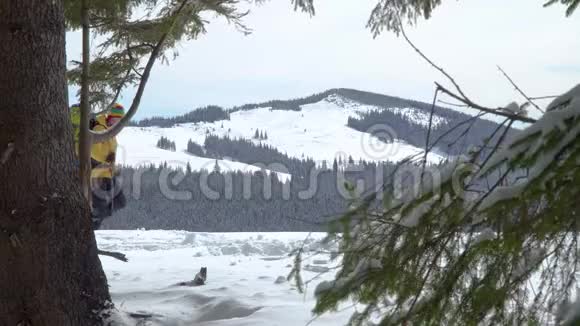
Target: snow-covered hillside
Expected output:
[318,131]
[246,278]
[137,147]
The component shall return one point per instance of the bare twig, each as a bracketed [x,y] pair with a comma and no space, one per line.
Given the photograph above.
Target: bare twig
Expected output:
[544,97]
[137,72]
[113,254]
[453,104]
[519,90]
[429,133]
[122,84]
[453,142]
[127,74]
[485,109]
[471,121]
[461,97]
[431,62]
[131,61]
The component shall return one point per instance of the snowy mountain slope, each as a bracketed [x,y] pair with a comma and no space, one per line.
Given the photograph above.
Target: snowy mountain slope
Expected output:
[419,117]
[318,131]
[137,147]
[246,278]
[412,114]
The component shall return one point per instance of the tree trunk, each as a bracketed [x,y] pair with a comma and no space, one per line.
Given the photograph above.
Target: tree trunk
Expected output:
[50,273]
[84,137]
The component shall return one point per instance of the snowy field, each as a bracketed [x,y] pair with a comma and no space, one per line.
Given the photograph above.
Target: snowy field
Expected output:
[245,286]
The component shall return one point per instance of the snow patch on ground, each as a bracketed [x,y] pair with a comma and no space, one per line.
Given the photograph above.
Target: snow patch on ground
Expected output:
[253,291]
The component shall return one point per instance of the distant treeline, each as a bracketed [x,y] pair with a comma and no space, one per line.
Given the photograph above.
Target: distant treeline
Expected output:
[247,151]
[236,201]
[454,135]
[210,113]
[195,149]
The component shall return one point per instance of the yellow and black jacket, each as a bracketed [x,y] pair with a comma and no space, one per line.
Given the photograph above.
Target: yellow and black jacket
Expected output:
[103,154]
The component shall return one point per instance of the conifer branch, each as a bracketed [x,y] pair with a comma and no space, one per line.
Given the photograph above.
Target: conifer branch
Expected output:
[112,132]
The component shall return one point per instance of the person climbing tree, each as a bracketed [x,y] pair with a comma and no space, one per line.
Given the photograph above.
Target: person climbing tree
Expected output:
[75,117]
[107,195]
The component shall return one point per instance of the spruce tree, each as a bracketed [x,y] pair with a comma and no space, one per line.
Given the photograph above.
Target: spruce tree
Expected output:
[390,15]
[50,273]
[487,238]
[216,167]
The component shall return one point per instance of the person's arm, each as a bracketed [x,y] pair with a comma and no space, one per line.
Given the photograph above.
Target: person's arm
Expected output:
[111,158]
[112,147]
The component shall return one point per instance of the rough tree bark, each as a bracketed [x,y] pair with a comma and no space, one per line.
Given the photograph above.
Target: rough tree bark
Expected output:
[50,273]
[84,137]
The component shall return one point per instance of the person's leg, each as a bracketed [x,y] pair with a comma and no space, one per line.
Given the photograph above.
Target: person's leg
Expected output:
[96,222]
[119,200]
[101,193]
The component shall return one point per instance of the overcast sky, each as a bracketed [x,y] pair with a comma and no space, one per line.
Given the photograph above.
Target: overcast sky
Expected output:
[290,54]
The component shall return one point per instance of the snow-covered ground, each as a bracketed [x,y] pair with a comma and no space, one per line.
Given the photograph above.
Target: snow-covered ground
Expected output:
[318,131]
[246,278]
